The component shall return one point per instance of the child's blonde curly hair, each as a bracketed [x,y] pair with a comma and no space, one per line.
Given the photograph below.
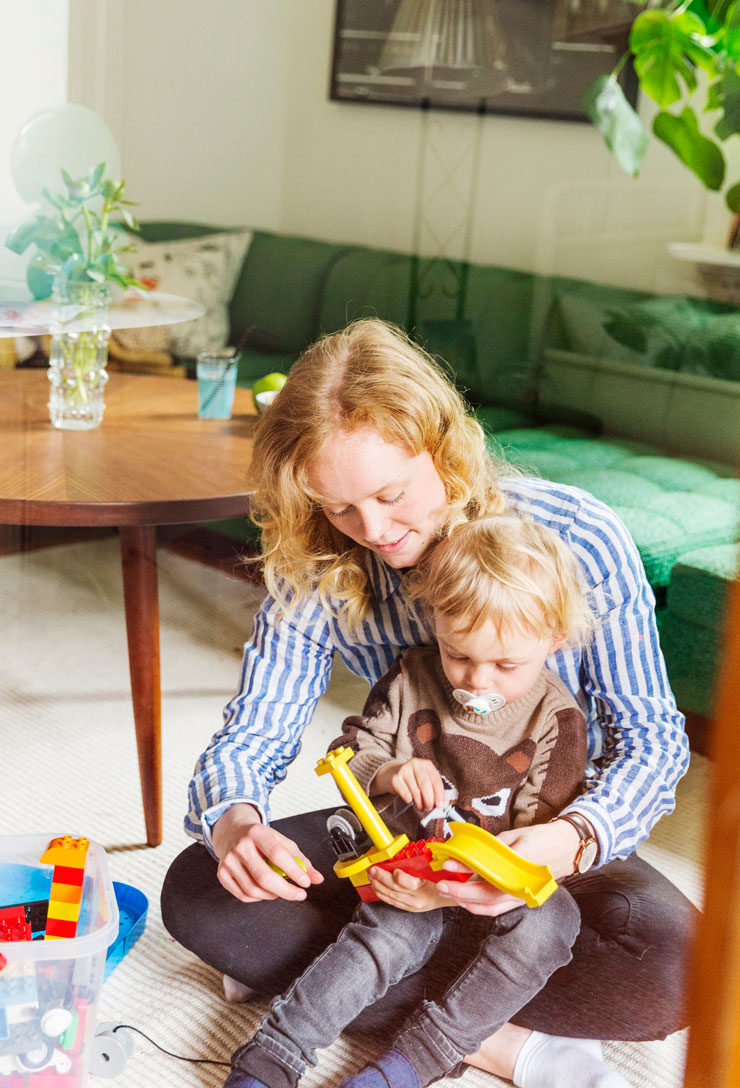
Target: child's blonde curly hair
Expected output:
[515,572]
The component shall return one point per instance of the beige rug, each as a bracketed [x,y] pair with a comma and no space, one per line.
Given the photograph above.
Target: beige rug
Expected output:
[69,765]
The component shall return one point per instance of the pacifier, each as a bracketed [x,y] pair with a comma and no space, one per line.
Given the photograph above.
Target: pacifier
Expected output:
[479,704]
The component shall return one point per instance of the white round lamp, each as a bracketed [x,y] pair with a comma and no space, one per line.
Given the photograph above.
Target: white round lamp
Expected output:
[71,138]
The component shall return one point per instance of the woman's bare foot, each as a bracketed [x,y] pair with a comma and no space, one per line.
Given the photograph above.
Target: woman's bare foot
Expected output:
[498,1053]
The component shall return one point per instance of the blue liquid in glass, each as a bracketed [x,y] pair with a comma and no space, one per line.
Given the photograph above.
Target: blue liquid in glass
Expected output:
[215,391]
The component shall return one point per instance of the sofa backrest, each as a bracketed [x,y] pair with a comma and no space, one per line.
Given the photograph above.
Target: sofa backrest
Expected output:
[280,293]
[277,297]
[365,282]
[483,333]
[661,369]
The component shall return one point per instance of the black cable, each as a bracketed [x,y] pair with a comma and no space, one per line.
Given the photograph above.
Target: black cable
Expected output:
[180,1057]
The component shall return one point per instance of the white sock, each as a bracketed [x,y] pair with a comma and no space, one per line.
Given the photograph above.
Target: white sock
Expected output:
[551,1061]
[236,992]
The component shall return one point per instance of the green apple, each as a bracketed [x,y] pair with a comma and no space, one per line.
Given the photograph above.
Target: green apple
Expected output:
[269,383]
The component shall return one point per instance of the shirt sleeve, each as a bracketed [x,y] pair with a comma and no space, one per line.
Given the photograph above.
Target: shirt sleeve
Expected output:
[285,669]
[639,744]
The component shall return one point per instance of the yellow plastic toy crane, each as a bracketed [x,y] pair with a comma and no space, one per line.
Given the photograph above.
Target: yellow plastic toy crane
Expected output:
[478,849]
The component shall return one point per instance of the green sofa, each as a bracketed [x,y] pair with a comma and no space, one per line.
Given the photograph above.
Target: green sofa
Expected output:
[634,397]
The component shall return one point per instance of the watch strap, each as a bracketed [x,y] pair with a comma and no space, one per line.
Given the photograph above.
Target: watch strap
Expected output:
[586,835]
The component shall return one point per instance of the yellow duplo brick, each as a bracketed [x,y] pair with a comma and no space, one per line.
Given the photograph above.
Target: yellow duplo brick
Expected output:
[66,893]
[68,912]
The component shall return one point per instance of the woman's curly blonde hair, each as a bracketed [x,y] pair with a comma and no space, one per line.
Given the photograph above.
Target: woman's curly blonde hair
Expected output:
[368,375]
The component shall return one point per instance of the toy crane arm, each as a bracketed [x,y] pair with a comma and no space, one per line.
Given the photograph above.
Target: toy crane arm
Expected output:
[385,844]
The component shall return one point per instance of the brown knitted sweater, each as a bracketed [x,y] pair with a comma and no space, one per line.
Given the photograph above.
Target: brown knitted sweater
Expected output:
[515,766]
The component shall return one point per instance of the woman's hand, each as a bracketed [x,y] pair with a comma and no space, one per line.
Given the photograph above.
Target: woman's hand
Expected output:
[245,846]
[555,845]
[417,782]
[410,893]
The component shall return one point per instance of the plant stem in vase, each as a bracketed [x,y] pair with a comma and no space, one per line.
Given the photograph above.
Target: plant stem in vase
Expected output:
[78,354]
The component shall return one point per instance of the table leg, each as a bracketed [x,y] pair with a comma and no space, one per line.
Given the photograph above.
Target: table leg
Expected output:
[139,564]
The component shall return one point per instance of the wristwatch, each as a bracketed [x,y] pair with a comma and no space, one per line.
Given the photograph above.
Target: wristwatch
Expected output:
[589,847]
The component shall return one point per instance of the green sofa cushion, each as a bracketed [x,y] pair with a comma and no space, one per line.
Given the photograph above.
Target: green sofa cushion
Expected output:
[668,505]
[699,584]
[727,489]
[692,655]
[364,282]
[535,437]
[277,299]
[674,474]
[255,364]
[499,304]
[487,346]
[494,419]
[168,230]
[242,531]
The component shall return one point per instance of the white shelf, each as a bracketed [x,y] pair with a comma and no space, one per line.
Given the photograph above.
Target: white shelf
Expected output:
[718,268]
[701,253]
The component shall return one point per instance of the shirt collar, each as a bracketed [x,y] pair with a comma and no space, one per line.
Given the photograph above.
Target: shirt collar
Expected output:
[384,580]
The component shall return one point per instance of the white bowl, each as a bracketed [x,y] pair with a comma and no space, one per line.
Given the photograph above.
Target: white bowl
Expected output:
[264,400]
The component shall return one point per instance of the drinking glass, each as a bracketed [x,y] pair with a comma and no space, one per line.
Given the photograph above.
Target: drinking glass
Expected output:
[216,372]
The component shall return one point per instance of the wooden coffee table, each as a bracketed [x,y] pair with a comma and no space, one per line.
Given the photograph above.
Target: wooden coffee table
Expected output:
[151,462]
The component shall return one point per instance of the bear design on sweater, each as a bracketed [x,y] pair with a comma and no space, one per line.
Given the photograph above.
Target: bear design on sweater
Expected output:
[479,784]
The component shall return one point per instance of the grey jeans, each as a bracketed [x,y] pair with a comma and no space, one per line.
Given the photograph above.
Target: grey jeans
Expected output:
[518,952]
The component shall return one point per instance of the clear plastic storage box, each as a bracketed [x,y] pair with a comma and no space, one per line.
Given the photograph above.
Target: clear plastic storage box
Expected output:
[49,988]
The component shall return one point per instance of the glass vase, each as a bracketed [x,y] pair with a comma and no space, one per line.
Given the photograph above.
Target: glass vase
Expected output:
[78,355]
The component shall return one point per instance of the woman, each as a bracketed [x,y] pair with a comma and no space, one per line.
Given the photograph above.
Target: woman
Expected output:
[363,461]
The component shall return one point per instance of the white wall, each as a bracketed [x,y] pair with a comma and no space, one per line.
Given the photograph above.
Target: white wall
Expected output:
[195,94]
[33,75]
[205,103]
[223,116]
[352,175]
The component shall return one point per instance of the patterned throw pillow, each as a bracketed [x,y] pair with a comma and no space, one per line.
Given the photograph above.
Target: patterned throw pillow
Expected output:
[695,336]
[583,323]
[204,269]
[658,329]
[714,350]
[671,332]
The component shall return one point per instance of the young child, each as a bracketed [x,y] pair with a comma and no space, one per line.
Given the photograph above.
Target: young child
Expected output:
[476,729]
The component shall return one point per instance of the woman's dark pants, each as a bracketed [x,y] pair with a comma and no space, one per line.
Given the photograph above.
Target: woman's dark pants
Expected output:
[625,980]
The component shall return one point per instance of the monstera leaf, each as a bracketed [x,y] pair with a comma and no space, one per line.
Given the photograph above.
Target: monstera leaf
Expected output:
[623,131]
[669,44]
[699,153]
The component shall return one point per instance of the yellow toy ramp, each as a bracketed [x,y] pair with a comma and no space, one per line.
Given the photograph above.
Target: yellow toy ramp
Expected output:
[496,863]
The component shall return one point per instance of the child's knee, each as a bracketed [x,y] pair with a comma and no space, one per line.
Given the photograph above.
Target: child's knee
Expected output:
[559,917]
[553,925]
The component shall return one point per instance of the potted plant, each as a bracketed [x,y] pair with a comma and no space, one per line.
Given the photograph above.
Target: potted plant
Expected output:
[686,55]
[76,259]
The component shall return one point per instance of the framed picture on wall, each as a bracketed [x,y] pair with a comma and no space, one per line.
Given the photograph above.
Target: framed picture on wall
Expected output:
[529,58]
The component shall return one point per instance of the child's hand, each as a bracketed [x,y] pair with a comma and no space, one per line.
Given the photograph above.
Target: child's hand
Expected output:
[406,892]
[418,782]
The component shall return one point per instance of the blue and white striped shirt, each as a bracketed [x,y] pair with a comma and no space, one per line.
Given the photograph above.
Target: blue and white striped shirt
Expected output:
[637,746]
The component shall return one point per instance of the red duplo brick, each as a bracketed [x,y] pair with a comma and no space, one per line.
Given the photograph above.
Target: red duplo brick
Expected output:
[60,927]
[67,874]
